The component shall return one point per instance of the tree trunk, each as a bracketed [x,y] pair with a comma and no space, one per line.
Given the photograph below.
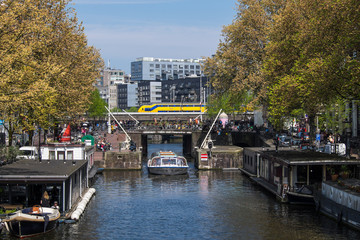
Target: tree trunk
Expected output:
[312,131]
[31,135]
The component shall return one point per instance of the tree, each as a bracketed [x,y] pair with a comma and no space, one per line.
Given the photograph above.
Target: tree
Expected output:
[97,106]
[311,49]
[46,67]
[235,69]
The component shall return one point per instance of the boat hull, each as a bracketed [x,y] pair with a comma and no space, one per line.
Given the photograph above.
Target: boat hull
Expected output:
[168,170]
[298,198]
[24,229]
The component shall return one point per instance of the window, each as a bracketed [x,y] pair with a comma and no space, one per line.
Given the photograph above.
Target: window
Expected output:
[157,66]
[70,155]
[61,155]
[52,155]
[186,66]
[191,66]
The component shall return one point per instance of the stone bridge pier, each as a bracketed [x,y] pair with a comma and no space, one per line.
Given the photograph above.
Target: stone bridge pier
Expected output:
[191,139]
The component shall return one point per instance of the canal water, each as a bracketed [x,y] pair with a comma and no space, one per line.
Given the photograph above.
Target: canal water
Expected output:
[200,205]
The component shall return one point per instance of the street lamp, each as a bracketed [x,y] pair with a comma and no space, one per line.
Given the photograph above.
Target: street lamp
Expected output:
[348,135]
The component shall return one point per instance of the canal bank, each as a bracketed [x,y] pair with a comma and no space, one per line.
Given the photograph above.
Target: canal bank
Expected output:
[199,205]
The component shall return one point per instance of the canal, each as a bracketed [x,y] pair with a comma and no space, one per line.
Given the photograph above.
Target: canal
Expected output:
[200,205]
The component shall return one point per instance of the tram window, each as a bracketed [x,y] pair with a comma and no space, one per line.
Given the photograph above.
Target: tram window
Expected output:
[147,109]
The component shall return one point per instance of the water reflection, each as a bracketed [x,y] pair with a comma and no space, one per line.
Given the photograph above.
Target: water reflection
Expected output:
[199,205]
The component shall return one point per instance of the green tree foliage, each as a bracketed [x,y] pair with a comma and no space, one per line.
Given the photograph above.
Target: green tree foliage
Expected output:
[310,58]
[294,56]
[46,67]
[235,69]
[97,106]
[132,109]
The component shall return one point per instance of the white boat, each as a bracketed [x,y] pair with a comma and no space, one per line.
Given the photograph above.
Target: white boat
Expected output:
[32,221]
[167,163]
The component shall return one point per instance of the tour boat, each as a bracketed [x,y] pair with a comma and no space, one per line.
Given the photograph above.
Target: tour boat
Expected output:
[32,221]
[167,163]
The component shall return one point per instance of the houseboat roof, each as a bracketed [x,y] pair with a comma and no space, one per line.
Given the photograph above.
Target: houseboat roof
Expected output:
[34,170]
[304,157]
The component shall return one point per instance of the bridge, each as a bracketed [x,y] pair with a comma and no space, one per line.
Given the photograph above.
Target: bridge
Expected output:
[191,137]
[171,116]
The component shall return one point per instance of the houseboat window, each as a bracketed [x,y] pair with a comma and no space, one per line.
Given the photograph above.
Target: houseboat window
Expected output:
[52,155]
[69,155]
[4,193]
[61,155]
[18,194]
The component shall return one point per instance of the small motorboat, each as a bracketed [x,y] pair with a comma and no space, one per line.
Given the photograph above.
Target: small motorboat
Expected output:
[303,195]
[32,221]
[167,163]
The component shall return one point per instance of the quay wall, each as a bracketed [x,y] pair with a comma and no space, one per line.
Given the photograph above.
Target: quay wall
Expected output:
[248,139]
[221,157]
[123,160]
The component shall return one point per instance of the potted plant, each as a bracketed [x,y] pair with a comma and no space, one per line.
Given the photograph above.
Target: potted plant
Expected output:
[345,172]
[333,174]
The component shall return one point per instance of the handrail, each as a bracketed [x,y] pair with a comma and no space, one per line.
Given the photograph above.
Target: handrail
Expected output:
[203,144]
[127,135]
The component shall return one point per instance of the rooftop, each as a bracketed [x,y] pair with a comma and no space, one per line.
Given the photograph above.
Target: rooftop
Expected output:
[305,157]
[35,170]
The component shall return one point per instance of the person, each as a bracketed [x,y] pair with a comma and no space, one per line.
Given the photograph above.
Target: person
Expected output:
[45,200]
[55,206]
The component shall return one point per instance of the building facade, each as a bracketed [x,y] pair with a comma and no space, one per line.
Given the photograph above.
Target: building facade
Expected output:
[149,92]
[127,95]
[190,89]
[150,68]
[107,85]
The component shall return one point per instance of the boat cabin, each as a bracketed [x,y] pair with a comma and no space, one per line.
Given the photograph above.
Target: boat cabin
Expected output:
[23,182]
[69,152]
[289,170]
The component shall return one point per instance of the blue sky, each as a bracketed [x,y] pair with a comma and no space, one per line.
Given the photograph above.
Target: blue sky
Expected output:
[124,30]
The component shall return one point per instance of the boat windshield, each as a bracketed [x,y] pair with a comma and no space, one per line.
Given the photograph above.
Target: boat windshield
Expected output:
[169,161]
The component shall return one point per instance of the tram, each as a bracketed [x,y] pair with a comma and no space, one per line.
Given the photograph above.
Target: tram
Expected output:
[173,107]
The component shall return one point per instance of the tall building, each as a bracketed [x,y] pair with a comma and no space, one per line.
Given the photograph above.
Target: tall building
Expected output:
[190,89]
[149,68]
[107,85]
[149,92]
[127,95]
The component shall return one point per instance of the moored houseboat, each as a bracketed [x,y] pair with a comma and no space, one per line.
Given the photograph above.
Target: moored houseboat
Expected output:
[339,202]
[293,176]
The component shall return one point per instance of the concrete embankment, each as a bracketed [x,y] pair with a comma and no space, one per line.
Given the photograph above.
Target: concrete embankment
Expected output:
[220,157]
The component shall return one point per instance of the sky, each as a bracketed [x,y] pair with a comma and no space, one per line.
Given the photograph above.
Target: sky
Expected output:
[124,30]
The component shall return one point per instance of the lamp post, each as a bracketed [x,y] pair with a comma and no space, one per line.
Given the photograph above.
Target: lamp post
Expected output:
[39,151]
[348,135]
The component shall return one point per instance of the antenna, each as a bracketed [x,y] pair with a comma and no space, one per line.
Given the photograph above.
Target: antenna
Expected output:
[109,64]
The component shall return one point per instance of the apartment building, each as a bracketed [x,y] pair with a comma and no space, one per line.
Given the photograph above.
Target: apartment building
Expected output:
[150,68]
